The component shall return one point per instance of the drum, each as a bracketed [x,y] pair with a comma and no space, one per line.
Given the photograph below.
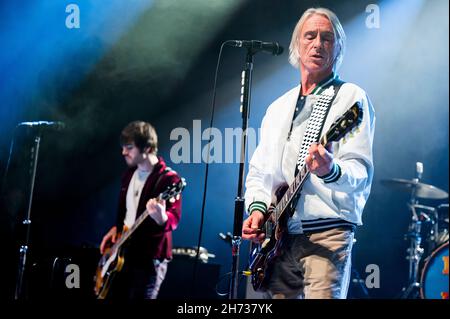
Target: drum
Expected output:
[442,234]
[434,279]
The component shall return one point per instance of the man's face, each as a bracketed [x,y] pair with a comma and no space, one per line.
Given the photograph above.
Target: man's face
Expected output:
[132,154]
[317,45]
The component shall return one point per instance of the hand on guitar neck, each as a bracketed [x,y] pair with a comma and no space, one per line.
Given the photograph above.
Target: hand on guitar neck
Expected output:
[156,208]
[320,159]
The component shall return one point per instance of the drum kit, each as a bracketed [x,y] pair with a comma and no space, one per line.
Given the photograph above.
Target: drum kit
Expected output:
[428,234]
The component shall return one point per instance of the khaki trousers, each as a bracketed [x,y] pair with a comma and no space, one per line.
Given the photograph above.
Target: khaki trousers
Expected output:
[312,266]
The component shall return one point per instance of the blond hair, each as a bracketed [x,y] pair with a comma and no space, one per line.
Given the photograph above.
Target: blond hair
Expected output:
[339,36]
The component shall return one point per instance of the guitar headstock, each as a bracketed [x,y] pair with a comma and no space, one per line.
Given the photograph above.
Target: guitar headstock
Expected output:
[173,190]
[344,124]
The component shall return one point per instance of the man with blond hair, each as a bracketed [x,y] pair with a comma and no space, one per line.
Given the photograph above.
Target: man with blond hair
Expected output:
[315,258]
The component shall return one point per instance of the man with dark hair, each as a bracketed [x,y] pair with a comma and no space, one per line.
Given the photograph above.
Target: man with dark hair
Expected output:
[315,256]
[149,249]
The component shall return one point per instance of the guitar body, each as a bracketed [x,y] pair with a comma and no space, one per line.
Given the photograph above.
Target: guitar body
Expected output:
[264,254]
[109,265]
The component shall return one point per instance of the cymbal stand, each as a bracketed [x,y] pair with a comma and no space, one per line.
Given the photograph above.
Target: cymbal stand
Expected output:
[415,251]
[428,214]
[414,255]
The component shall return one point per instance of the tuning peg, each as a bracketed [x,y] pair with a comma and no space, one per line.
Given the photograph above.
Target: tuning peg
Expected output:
[344,140]
[357,129]
[351,135]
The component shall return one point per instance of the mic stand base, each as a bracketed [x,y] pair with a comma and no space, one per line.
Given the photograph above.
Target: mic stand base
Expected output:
[19,292]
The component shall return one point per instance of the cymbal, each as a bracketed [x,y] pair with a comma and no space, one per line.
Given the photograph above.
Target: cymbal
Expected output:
[422,190]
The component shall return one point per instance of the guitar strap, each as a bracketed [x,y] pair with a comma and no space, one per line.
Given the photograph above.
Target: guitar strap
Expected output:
[166,170]
[316,120]
[155,185]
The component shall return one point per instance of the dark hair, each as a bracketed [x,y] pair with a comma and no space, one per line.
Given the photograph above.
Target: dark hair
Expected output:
[142,134]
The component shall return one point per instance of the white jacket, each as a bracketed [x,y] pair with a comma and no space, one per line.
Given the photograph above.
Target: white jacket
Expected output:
[273,162]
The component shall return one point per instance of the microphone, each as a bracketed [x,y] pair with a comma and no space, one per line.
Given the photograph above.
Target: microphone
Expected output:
[256,45]
[58,126]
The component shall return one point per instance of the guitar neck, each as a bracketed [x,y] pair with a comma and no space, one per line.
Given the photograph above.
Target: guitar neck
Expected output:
[291,192]
[295,187]
[136,224]
[130,231]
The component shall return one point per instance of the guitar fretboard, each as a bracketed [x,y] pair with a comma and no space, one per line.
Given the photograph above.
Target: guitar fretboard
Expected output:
[130,231]
[294,188]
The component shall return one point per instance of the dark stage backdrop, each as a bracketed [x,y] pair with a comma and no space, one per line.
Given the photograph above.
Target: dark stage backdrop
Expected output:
[98,65]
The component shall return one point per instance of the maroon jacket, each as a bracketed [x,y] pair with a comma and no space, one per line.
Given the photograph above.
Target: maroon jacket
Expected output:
[150,240]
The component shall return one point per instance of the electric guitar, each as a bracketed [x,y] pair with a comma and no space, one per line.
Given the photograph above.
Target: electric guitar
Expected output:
[287,196]
[112,260]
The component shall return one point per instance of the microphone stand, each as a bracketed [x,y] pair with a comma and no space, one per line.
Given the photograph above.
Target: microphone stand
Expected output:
[19,293]
[239,200]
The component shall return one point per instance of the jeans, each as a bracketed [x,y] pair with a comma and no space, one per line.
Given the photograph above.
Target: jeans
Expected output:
[137,282]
